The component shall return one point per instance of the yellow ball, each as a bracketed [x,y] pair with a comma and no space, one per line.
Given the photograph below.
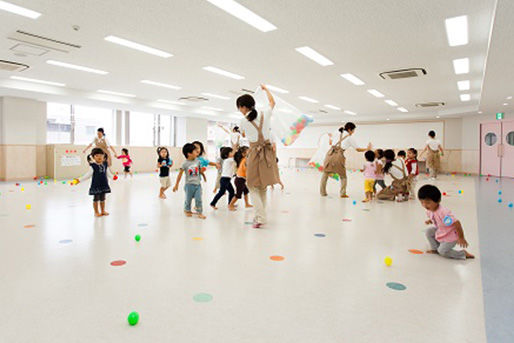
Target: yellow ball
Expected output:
[22,189]
[388,261]
[28,207]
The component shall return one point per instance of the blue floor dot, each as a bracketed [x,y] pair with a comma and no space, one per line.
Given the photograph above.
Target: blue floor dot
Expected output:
[65,241]
[142,225]
[396,286]
[202,297]
[319,235]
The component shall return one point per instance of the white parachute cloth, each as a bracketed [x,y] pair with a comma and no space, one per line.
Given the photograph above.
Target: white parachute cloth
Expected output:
[288,122]
[319,156]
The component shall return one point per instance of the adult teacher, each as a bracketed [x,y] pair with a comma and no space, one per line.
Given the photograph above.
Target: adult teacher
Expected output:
[100,141]
[261,161]
[335,161]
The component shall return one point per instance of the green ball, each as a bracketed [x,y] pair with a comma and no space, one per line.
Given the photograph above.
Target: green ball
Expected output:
[137,238]
[133,318]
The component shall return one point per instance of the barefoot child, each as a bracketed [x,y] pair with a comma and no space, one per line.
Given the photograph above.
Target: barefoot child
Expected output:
[126,161]
[446,231]
[412,167]
[228,170]
[99,174]
[164,164]
[240,181]
[369,174]
[193,186]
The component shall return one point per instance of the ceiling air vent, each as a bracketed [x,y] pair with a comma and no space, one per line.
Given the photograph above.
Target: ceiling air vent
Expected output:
[12,66]
[430,104]
[44,42]
[403,73]
[193,98]
[241,91]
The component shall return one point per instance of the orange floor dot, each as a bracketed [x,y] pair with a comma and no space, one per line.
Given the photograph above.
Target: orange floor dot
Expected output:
[415,251]
[29,226]
[277,258]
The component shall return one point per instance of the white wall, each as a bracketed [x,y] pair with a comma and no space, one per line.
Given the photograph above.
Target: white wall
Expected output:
[23,121]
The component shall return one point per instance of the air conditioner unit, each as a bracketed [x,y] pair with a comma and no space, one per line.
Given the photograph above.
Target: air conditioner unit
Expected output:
[12,66]
[430,104]
[44,42]
[403,73]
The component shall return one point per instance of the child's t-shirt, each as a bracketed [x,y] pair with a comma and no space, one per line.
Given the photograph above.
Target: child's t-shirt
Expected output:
[441,218]
[229,167]
[126,160]
[412,166]
[369,170]
[164,170]
[380,165]
[241,170]
[192,170]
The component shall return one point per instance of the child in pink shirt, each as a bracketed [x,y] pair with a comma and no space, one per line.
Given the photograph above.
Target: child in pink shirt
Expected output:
[369,175]
[446,231]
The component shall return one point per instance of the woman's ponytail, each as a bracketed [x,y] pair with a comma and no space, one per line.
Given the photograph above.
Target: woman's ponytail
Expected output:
[249,102]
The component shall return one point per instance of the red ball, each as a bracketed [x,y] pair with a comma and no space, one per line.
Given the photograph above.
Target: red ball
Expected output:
[444,193]
[115,177]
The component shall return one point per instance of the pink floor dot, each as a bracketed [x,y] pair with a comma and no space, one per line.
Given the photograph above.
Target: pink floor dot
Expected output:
[118,263]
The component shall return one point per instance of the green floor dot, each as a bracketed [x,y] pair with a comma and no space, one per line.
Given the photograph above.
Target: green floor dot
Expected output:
[202,297]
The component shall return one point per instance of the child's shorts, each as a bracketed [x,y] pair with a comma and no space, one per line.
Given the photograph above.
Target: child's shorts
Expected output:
[368,185]
[126,169]
[165,182]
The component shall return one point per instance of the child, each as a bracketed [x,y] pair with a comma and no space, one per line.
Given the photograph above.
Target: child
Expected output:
[401,154]
[227,172]
[203,161]
[126,161]
[240,181]
[193,187]
[164,164]
[412,168]
[99,183]
[433,147]
[370,168]
[379,172]
[446,231]
[397,170]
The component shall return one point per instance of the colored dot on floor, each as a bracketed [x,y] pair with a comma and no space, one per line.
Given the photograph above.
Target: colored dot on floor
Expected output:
[248,223]
[29,226]
[366,209]
[319,235]
[415,251]
[118,263]
[396,286]
[65,241]
[202,297]
[277,258]
[141,225]
[347,220]
[197,238]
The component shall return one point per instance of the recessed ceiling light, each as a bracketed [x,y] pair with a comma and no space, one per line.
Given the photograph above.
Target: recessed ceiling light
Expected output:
[402,109]
[277,89]
[212,108]
[353,79]
[159,84]
[6,6]
[170,102]
[244,14]
[137,46]
[457,30]
[376,93]
[461,65]
[505,104]
[305,98]
[216,96]
[350,113]
[391,102]
[103,91]
[438,116]
[76,67]
[388,119]
[463,85]
[223,72]
[51,83]
[314,55]
[332,107]
[509,97]
[480,112]
[465,97]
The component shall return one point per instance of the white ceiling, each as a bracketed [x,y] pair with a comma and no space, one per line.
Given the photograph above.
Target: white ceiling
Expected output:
[363,37]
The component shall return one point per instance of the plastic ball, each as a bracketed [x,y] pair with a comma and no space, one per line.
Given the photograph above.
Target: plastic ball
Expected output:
[460,191]
[444,193]
[511,205]
[500,200]
[448,221]
[17,184]
[28,206]
[22,189]
[133,318]
[354,202]
[115,177]
[388,261]
[137,238]
[497,181]
[499,192]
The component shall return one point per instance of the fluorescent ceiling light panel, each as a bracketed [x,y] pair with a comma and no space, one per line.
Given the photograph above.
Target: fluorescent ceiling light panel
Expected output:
[76,67]
[402,109]
[277,89]
[170,102]
[159,84]
[305,98]
[376,93]
[457,30]
[350,113]
[6,6]
[461,65]
[223,72]
[332,107]
[505,104]
[463,85]
[103,91]
[38,81]
[244,14]
[216,96]
[314,55]
[391,103]
[212,108]
[509,97]
[465,97]
[353,79]
[137,46]
[438,116]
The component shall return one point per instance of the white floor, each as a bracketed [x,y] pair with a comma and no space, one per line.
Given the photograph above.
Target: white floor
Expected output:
[328,289]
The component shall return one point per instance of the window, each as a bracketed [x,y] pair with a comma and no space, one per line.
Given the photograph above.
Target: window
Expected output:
[58,123]
[142,129]
[490,139]
[89,119]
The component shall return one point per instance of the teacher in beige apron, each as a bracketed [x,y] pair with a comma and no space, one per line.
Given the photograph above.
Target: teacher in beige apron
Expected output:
[100,141]
[261,161]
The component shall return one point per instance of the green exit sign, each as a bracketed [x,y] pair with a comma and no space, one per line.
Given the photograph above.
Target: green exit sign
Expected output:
[499,116]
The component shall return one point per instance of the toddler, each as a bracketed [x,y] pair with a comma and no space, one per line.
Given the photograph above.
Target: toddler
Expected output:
[412,168]
[164,164]
[228,169]
[126,161]
[369,174]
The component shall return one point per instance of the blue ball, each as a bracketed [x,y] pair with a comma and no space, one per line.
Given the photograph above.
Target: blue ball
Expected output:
[496,180]
[500,200]
[354,202]
[511,204]
[499,192]
[460,192]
